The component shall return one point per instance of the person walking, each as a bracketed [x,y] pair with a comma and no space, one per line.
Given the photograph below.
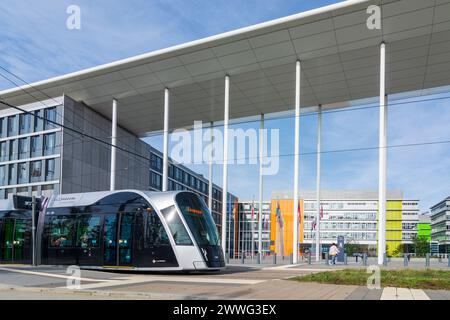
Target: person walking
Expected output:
[333,252]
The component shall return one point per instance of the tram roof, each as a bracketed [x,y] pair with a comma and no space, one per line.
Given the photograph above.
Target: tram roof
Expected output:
[88,198]
[339,54]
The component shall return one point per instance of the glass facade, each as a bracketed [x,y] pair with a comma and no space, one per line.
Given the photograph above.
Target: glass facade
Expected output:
[24,151]
[49,143]
[24,123]
[50,169]
[247,229]
[3,151]
[29,152]
[12,126]
[440,225]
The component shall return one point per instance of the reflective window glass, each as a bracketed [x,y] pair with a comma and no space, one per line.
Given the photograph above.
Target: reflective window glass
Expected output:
[38,122]
[35,146]
[198,218]
[3,155]
[62,230]
[49,169]
[50,118]
[3,127]
[24,123]
[24,151]
[88,231]
[176,226]
[155,232]
[35,171]
[12,149]
[12,174]
[49,143]
[22,172]
[2,175]
[12,126]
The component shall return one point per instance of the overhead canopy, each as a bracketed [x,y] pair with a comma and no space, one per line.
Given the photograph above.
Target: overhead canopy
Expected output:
[339,55]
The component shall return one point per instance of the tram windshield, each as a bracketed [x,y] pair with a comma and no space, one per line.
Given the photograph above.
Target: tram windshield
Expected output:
[198,219]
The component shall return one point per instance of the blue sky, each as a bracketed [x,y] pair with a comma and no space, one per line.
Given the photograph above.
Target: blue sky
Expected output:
[36,44]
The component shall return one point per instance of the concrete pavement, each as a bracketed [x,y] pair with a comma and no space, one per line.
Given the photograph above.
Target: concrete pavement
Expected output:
[236,282]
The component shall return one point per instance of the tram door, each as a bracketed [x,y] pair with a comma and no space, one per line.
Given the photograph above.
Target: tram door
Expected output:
[118,239]
[15,238]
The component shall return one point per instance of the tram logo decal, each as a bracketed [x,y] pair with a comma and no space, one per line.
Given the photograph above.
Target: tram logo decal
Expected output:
[158,261]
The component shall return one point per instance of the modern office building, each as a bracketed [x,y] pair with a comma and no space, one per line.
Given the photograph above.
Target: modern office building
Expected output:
[41,158]
[349,213]
[440,225]
[247,229]
[424,227]
[38,157]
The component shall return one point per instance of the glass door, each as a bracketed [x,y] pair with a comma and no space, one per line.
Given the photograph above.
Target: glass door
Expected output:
[118,238]
[22,240]
[7,239]
[16,240]
[110,240]
[126,238]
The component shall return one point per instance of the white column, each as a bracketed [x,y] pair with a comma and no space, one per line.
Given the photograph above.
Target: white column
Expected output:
[166,141]
[210,182]
[382,159]
[261,155]
[113,145]
[296,159]
[319,140]
[225,163]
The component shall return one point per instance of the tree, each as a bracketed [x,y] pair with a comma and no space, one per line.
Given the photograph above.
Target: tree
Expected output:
[399,250]
[421,245]
[351,247]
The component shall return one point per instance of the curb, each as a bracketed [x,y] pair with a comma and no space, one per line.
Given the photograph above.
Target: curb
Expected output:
[118,294]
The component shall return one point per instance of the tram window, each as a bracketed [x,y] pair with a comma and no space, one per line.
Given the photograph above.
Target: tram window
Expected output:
[198,219]
[176,226]
[62,231]
[156,234]
[88,231]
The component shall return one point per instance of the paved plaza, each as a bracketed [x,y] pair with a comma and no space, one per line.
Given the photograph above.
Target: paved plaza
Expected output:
[236,282]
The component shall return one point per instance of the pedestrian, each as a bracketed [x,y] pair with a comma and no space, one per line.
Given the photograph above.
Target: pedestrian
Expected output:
[333,252]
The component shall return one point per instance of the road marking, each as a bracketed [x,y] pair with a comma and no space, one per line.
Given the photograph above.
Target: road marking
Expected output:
[194,279]
[283,267]
[419,294]
[50,275]
[138,279]
[390,293]
[404,294]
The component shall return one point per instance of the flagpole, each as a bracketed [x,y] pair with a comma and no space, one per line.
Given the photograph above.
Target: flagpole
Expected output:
[245,236]
[252,227]
[229,230]
[239,232]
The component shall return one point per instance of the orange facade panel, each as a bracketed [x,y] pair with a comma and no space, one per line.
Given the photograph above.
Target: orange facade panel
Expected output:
[281,234]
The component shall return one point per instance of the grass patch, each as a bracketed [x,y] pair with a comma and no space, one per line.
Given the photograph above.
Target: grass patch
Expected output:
[414,279]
